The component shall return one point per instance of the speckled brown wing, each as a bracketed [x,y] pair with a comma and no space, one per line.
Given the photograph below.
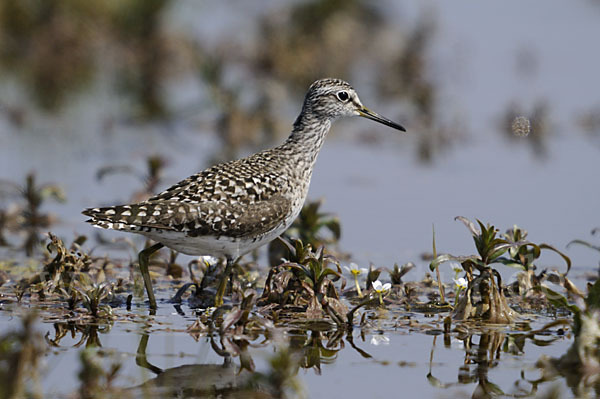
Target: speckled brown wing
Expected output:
[234,199]
[247,180]
[240,220]
[207,218]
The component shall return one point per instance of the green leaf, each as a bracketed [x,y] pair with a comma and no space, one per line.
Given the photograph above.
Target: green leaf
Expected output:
[334,226]
[448,258]
[510,263]
[534,247]
[289,246]
[558,300]
[562,255]
[498,250]
[330,272]
[297,266]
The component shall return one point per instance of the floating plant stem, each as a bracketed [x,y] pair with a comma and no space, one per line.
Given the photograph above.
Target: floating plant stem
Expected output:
[437,270]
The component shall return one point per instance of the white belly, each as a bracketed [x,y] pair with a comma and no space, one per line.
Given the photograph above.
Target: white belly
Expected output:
[211,245]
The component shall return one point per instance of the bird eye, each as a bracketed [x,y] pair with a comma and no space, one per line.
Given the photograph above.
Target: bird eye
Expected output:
[343,96]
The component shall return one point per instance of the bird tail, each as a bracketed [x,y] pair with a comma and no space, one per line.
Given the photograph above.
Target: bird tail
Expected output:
[145,216]
[120,217]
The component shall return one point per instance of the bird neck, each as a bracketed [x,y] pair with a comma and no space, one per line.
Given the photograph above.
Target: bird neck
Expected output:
[302,147]
[307,138]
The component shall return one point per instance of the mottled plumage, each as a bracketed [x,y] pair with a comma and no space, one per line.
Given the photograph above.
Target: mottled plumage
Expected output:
[234,207]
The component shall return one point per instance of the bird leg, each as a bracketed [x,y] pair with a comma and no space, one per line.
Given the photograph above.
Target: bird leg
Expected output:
[223,282]
[144,257]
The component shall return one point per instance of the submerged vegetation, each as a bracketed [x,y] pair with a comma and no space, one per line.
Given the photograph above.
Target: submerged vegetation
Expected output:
[483,298]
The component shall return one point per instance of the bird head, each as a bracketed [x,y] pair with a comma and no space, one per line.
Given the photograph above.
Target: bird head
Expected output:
[334,98]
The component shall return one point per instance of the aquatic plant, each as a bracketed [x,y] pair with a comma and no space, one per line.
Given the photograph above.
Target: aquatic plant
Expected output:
[313,273]
[372,275]
[92,295]
[59,272]
[311,227]
[381,289]
[20,355]
[356,271]
[305,281]
[492,305]
[397,273]
[27,218]
[240,320]
[96,382]
[523,255]
[459,285]
[581,363]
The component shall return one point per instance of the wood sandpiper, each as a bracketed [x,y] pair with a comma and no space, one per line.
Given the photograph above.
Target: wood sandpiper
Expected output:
[234,207]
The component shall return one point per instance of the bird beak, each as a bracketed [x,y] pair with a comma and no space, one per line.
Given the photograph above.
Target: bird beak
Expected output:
[367,113]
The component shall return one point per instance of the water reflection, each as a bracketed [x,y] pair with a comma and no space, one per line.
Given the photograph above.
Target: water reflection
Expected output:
[192,380]
[479,358]
[316,347]
[307,348]
[483,352]
[87,333]
[223,380]
[312,345]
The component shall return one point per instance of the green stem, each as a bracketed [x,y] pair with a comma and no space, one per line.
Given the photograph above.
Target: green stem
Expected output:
[358,291]
[458,291]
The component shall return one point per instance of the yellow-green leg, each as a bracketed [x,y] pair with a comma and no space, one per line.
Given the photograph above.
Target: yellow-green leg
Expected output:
[144,258]
[223,282]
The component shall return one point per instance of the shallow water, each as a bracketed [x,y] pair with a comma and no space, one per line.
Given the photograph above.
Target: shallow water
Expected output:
[377,367]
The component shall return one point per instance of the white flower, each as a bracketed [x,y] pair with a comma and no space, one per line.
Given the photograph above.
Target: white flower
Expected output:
[355,270]
[381,288]
[456,267]
[461,283]
[208,260]
[379,339]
